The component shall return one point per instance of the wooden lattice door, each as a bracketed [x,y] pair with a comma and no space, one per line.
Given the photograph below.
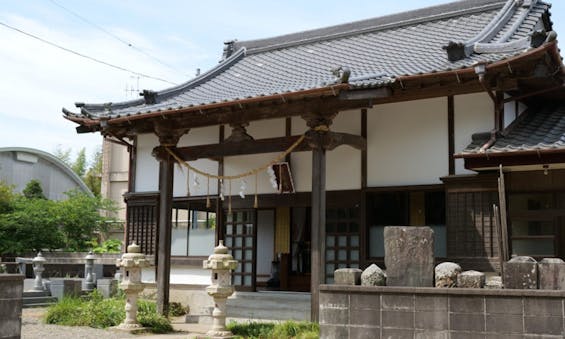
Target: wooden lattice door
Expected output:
[240,237]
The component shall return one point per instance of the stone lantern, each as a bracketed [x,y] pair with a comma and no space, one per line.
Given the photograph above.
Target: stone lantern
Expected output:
[221,263]
[38,269]
[88,275]
[132,262]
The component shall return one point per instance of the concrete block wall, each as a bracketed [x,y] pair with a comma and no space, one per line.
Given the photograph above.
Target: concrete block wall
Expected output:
[405,312]
[11,292]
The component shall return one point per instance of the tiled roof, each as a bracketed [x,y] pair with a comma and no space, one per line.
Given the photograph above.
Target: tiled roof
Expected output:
[376,51]
[537,130]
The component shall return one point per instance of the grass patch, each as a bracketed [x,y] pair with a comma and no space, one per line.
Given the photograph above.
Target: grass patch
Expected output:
[97,312]
[285,330]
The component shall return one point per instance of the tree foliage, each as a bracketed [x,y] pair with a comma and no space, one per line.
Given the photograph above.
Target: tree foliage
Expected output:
[28,223]
[79,165]
[6,197]
[33,190]
[89,171]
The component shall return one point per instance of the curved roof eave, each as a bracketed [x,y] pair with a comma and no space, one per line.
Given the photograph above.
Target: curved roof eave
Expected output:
[54,160]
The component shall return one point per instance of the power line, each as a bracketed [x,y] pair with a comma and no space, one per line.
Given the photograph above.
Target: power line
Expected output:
[129,44]
[84,55]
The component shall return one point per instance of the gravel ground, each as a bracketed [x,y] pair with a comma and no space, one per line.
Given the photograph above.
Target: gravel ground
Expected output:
[34,328]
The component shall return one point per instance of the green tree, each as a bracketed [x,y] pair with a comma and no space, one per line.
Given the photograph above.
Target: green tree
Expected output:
[32,225]
[6,197]
[80,219]
[93,176]
[79,165]
[33,190]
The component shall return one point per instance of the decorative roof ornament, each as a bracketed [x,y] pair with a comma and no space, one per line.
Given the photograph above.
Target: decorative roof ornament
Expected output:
[342,73]
[482,42]
[149,96]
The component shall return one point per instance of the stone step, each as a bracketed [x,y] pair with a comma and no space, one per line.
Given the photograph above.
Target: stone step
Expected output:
[34,294]
[40,301]
[269,305]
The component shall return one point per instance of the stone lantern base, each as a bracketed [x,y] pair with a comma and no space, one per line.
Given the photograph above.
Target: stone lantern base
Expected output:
[216,335]
[133,329]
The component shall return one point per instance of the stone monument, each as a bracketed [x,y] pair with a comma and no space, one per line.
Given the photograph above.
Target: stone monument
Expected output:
[446,274]
[409,256]
[221,263]
[89,282]
[347,276]
[132,262]
[373,276]
[521,273]
[38,263]
[551,274]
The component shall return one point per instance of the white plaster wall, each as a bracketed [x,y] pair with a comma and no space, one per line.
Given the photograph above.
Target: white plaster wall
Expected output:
[407,143]
[240,164]
[343,164]
[180,275]
[301,162]
[197,136]
[147,167]
[263,129]
[235,165]
[474,113]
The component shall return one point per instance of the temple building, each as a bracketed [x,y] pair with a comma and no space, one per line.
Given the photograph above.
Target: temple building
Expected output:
[298,150]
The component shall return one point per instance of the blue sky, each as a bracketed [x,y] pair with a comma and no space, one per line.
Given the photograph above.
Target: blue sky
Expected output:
[37,80]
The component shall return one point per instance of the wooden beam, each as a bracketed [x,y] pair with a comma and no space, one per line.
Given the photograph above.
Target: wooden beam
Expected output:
[330,140]
[451,133]
[245,147]
[364,94]
[364,151]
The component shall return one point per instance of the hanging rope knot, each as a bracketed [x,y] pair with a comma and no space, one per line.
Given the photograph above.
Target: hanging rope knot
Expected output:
[322,128]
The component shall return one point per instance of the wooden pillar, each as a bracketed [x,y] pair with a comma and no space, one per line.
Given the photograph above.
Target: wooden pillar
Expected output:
[319,127]
[318,230]
[166,177]
[168,138]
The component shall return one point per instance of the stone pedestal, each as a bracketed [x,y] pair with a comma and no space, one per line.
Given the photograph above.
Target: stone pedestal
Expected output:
[521,273]
[446,274]
[221,263]
[347,276]
[409,256]
[471,279]
[551,274]
[132,262]
[11,291]
[373,276]
[62,287]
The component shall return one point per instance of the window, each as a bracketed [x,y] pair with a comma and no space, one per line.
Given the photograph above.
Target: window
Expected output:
[342,239]
[405,208]
[533,231]
[193,232]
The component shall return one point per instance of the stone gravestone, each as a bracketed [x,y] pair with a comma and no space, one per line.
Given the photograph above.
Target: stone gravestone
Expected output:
[373,276]
[347,276]
[409,256]
[471,279]
[521,273]
[551,274]
[446,274]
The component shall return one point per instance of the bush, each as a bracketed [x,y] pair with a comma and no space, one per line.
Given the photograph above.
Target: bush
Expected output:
[176,309]
[285,330]
[109,246]
[95,311]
